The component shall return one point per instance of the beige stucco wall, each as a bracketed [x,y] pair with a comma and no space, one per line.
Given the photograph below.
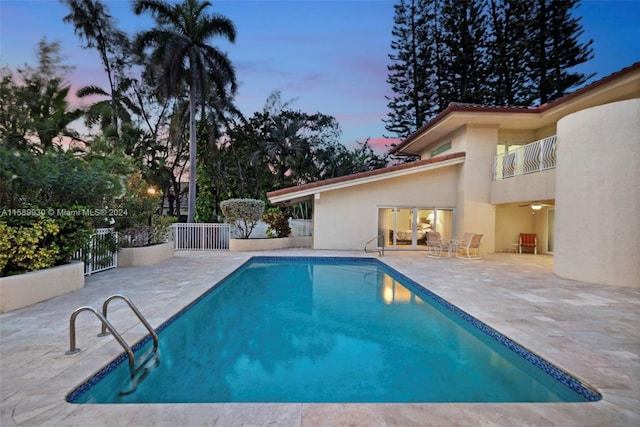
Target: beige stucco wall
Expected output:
[512,135]
[26,289]
[530,187]
[476,214]
[247,245]
[346,219]
[598,195]
[545,132]
[147,255]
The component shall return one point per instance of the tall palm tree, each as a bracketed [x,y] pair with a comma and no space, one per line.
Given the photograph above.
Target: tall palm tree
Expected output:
[182,58]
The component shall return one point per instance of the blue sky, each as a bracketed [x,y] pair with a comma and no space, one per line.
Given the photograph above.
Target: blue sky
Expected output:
[330,56]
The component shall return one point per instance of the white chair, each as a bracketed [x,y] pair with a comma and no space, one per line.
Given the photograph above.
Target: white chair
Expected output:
[470,241]
[434,244]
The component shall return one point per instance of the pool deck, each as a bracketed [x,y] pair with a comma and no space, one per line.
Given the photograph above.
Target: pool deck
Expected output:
[591,331]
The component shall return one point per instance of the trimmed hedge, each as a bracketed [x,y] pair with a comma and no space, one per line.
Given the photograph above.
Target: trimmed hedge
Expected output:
[244,214]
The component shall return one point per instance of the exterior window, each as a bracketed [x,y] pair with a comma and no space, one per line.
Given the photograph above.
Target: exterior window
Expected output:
[441,149]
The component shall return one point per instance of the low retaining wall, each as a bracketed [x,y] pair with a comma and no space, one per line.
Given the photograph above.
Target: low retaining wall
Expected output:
[146,255]
[246,245]
[26,289]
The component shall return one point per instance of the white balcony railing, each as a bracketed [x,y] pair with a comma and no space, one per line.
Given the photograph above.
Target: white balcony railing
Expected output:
[534,157]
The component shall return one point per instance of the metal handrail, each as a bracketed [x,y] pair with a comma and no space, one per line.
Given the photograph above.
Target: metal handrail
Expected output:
[381,249]
[137,313]
[105,324]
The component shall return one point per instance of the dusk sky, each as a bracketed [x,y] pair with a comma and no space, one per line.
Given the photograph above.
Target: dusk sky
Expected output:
[330,56]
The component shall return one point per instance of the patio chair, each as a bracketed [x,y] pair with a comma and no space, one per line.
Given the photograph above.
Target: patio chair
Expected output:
[470,241]
[528,240]
[434,244]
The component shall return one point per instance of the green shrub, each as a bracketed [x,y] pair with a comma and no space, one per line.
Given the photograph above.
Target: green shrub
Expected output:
[33,242]
[5,245]
[39,242]
[243,213]
[278,223]
[47,201]
[160,226]
[140,236]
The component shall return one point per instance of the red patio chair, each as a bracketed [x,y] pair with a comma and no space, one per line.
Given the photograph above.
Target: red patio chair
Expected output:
[528,240]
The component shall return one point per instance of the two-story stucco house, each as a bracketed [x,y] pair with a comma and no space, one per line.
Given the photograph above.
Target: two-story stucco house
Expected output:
[484,169]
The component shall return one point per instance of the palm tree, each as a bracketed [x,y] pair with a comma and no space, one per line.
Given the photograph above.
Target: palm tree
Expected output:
[181,58]
[101,112]
[96,27]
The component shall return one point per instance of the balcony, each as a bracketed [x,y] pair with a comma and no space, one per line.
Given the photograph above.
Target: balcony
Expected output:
[534,157]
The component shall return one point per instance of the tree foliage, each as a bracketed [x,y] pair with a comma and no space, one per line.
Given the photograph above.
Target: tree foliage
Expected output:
[275,148]
[96,27]
[502,52]
[181,57]
[555,49]
[35,113]
[411,70]
[59,179]
[50,202]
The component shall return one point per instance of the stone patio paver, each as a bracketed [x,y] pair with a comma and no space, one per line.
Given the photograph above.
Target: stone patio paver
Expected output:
[591,331]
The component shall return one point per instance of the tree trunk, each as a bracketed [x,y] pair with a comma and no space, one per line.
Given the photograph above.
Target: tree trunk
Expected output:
[192,154]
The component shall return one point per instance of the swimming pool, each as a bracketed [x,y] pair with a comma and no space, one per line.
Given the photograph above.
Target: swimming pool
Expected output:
[317,329]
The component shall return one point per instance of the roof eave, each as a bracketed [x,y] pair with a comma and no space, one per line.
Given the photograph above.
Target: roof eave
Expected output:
[307,192]
[453,108]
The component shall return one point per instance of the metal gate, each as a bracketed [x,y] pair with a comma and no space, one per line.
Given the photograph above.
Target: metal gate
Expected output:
[100,254]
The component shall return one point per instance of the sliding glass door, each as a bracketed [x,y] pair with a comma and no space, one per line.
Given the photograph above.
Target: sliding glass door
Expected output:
[407,227]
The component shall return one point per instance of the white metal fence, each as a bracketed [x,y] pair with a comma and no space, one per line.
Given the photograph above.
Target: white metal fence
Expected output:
[534,157]
[301,227]
[201,236]
[211,237]
[100,253]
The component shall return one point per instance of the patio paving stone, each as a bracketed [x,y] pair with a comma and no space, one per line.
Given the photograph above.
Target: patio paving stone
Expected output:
[591,331]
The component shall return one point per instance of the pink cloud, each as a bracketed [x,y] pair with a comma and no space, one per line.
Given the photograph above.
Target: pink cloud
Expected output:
[382,142]
[307,82]
[374,67]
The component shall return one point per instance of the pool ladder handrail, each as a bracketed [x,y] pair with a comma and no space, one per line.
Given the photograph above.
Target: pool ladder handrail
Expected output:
[380,249]
[106,325]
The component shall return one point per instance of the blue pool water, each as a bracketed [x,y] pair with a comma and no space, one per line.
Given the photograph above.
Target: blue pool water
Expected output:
[330,330]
